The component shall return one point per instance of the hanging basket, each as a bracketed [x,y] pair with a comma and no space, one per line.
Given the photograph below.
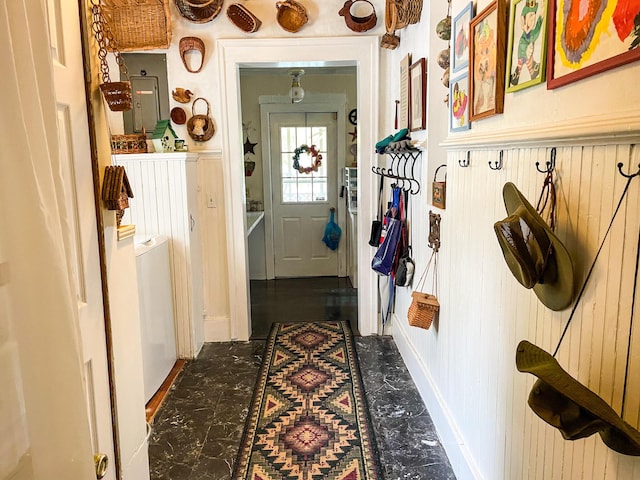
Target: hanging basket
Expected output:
[291,15]
[199,11]
[117,95]
[422,310]
[201,127]
[139,24]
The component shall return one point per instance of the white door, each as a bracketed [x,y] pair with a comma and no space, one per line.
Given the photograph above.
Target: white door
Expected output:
[301,201]
[75,158]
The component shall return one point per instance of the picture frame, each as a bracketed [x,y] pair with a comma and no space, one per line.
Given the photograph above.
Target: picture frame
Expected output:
[459,103]
[460,38]
[487,61]
[526,53]
[405,92]
[602,48]
[418,82]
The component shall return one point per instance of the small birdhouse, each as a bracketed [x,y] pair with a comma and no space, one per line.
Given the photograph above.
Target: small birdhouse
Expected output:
[116,190]
[164,137]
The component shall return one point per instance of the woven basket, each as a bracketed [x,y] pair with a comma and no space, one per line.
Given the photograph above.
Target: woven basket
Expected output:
[139,24]
[400,13]
[188,44]
[199,11]
[132,143]
[117,95]
[242,18]
[291,15]
[422,310]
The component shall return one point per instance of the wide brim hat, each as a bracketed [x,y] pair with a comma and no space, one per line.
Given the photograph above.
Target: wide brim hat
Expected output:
[535,255]
[564,403]
[199,11]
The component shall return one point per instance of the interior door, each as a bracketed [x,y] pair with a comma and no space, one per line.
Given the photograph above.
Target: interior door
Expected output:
[75,159]
[302,201]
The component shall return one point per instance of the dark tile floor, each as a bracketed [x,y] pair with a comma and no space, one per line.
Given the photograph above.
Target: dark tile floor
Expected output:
[197,431]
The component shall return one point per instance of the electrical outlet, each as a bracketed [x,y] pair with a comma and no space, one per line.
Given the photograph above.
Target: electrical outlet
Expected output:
[211,203]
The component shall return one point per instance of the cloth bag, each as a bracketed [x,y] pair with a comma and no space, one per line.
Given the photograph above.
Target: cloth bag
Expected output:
[376,225]
[383,261]
[332,232]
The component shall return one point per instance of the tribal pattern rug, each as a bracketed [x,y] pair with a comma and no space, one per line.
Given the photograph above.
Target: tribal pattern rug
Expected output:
[308,419]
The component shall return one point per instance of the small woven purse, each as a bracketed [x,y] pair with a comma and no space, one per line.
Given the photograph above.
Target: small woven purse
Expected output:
[425,306]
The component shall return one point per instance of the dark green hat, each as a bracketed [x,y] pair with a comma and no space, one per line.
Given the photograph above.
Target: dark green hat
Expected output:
[534,254]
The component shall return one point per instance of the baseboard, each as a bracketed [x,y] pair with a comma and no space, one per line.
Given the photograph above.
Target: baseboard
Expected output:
[217,329]
[458,453]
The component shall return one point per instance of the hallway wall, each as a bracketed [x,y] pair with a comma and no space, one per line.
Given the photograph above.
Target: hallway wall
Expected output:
[465,364]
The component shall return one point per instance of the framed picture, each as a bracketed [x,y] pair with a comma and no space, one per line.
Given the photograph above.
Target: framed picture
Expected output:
[591,41]
[405,86]
[460,38]
[526,55]
[486,56]
[459,103]
[418,95]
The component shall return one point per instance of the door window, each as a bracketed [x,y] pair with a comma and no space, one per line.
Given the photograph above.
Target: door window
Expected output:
[303,187]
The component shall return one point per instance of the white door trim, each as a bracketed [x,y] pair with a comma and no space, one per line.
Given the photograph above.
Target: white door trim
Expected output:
[322,104]
[363,52]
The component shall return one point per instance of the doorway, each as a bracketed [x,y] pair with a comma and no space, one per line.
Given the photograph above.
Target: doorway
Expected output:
[362,52]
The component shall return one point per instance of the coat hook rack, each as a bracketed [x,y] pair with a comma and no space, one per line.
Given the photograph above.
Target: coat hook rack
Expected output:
[402,169]
[626,175]
[499,163]
[465,162]
[550,165]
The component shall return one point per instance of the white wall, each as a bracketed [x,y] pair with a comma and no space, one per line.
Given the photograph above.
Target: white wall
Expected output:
[465,364]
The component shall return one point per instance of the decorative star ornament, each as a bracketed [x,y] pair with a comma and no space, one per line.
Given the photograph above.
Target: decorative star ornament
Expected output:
[354,134]
[249,146]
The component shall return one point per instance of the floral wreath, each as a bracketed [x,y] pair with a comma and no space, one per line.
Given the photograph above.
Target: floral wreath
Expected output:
[315,154]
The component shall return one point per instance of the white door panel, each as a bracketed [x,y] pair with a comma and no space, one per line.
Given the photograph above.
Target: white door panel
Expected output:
[84,263]
[301,202]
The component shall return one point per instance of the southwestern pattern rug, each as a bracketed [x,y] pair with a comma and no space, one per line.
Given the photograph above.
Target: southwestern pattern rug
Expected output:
[308,419]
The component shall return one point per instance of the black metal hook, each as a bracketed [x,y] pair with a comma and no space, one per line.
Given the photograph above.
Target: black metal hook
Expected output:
[499,163]
[465,163]
[626,175]
[550,165]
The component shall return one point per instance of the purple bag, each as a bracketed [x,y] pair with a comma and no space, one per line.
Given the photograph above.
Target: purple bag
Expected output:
[382,262]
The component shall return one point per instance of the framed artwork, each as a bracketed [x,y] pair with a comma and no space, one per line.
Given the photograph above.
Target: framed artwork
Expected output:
[418,95]
[592,39]
[460,38]
[487,32]
[459,103]
[526,55]
[405,86]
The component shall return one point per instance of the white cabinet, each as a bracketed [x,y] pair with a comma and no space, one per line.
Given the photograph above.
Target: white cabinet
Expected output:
[166,203]
[351,183]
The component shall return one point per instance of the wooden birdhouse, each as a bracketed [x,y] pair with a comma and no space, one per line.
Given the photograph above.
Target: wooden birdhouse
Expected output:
[116,190]
[164,137]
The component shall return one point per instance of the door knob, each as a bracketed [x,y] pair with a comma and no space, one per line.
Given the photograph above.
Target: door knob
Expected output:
[102,463]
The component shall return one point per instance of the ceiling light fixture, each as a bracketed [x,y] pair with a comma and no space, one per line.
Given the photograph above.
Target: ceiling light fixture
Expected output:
[296,92]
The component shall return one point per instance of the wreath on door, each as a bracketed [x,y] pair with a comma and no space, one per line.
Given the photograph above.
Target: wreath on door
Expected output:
[311,151]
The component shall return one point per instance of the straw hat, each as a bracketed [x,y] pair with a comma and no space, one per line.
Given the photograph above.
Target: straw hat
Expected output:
[534,254]
[564,403]
[199,11]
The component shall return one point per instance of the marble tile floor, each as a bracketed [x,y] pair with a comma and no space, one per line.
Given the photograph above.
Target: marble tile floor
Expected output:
[197,431]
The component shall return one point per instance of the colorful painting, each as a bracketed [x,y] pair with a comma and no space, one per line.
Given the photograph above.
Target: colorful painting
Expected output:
[487,54]
[459,103]
[460,38]
[591,36]
[527,44]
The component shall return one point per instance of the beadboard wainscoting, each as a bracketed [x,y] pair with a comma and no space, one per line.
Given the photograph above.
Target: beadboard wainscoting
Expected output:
[465,364]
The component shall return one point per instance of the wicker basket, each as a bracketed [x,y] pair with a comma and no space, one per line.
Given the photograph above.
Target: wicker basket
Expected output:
[132,143]
[139,24]
[242,18]
[422,310]
[291,15]
[400,13]
[117,95]
[199,11]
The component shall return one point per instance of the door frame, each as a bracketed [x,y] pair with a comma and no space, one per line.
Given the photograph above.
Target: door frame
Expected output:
[362,52]
[282,104]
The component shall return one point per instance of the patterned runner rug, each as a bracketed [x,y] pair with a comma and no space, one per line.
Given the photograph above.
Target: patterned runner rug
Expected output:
[308,419]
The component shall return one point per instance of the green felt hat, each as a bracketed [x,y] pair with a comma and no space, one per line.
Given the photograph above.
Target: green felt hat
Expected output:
[534,254]
[564,403]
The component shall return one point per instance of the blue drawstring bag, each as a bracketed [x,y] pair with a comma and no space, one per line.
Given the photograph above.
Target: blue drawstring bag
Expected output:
[332,233]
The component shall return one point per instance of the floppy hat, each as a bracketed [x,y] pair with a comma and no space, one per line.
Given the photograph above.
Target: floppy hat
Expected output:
[564,403]
[534,254]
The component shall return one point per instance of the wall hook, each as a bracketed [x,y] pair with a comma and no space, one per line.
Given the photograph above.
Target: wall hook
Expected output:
[550,165]
[626,175]
[465,163]
[499,163]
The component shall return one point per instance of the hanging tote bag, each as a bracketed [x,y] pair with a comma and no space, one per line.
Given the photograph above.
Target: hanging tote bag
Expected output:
[376,225]
[424,306]
[332,232]
[382,262]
